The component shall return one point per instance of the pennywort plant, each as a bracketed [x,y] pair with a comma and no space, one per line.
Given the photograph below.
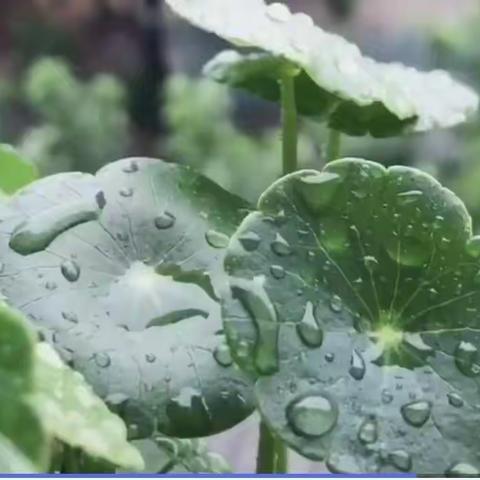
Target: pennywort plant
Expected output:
[344,306]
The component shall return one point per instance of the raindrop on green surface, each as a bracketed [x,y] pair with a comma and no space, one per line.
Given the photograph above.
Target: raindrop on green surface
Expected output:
[222,355]
[336,304]
[368,431]
[277,272]
[412,196]
[70,270]
[150,357]
[249,241]
[126,192]
[51,286]
[70,317]
[357,366]
[466,355]
[132,167]
[318,189]
[216,239]
[102,359]
[164,220]
[416,413]
[401,460]
[329,357]
[308,329]
[455,400]
[312,416]
[462,470]
[281,247]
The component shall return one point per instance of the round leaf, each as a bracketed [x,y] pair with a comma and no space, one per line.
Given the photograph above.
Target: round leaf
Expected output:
[120,273]
[359,311]
[356,94]
[15,172]
[75,415]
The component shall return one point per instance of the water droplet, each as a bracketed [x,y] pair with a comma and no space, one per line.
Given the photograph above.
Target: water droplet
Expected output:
[216,239]
[466,355]
[40,231]
[473,246]
[51,286]
[409,197]
[281,247]
[401,460]
[368,431]
[336,304]
[100,199]
[222,355]
[357,366]
[416,413]
[387,397]
[70,270]
[102,359]
[277,272]
[455,400]
[249,241]
[308,329]
[256,302]
[164,220]
[150,357]
[312,416]
[70,317]
[329,357]
[318,189]
[132,167]
[462,470]
[126,192]
[278,12]
[371,263]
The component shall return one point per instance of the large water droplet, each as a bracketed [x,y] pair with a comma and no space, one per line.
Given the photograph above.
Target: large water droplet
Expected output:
[222,355]
[164,220]
[416,413]
[308,329]
[462,470]
[412,196]
[466,355]
[336,304]
[40,231]
[249,241]
[217,239]
[312,416]
[357,366]
[70,270]
[256,302]
[318,189]
[277,272]
[368,431]
[102,359]
[278,12]
[401,460]
[455,400]
[281,247]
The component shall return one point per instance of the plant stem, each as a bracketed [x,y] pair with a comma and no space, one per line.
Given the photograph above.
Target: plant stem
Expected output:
[334,143]
[289,124]
[272,453]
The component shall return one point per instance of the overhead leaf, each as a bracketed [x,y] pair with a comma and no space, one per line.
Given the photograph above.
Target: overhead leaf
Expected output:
[120,273]
[334,80]
[356,301]
[12,460]
[15,172]
[19,424]
[72,412]
[172,455]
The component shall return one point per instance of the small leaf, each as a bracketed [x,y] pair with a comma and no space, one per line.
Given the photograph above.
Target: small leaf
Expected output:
[121,273]
[334,80]
[73,413]
[15,172]
[372,335]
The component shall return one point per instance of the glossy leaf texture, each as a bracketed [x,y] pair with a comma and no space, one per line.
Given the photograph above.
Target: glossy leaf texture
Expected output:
[20,427]
[72,413]
[355,299]
[120,273]
[334,80]
[174,456]
[15,172]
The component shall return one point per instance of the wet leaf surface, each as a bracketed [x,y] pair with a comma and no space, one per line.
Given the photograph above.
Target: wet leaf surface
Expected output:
[122,276]
[335,81]
[366,346]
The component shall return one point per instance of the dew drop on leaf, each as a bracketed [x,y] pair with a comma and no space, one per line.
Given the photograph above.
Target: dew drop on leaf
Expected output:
[102,360]
[51,286]
[329,357]
[164,220]
[312,416]
[336,304]
[368,431]
[416,413]
[150,357]
[132,167]
[462,470]
[278,12]
[357,366]
[465,358]
[222,355]
[455,400]
[308,329]
[249,241]
[126,192]
[412,196]
[281,247]
[277,272]
[216,239]
[70,270]
[318,189]
[401,460]
[70,317]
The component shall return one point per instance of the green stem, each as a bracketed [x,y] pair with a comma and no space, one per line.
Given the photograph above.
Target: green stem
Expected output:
[289,124]
[272,454]
[334,143]
[71,460]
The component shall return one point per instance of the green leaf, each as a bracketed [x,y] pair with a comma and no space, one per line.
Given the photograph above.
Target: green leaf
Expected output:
[19,423]
[172,455]
[334,80]
[358,308]
[15,172]
[12,460]
[121,272]
[72,412]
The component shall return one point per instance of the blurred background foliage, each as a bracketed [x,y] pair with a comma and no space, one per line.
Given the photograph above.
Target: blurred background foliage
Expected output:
[85,82]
